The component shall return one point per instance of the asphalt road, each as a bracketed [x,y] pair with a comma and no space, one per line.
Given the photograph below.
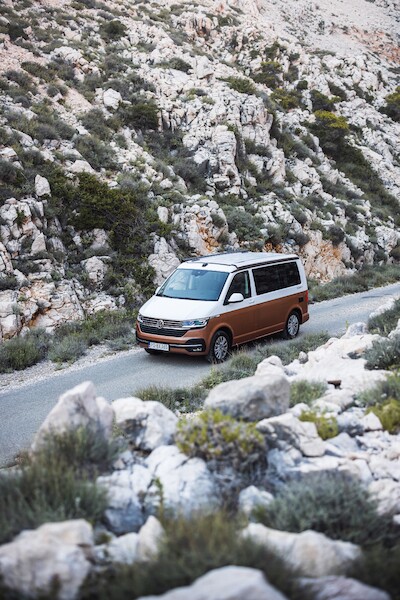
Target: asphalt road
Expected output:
[23,409]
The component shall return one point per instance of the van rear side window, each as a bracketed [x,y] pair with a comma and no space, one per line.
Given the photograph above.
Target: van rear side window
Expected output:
[276,277]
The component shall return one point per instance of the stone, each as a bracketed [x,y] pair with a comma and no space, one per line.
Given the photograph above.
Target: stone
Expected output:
[34,560]
[227,583]
[370,422]
[339,588]
[78,407]
[162,212]
[81,166]
[302,435]
[39,244]
[149,538]
[126,490]
[121,550]
[186,484]
[252,498]
[42,186]
[386,492]
[95,268]
[146,425]
[111,99]
[252,398]
[164,260]
[310,553]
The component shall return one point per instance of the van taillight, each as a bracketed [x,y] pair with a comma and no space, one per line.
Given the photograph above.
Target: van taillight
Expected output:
[307,296]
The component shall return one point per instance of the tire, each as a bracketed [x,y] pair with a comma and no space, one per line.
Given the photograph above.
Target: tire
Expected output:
[220,347]
[152,352]
[292,326]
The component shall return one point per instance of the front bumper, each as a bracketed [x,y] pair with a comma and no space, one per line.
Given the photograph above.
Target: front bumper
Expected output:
[190,343]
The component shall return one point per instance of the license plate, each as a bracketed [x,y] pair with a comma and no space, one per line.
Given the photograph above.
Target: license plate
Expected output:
[158,346]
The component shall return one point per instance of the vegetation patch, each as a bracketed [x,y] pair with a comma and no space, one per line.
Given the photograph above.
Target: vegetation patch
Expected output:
[386,321]
[22,352]
[46,485]
[388,413]
[191,548]
[306,391]
[338,506]
[327,427]
[221,440]
[383,354]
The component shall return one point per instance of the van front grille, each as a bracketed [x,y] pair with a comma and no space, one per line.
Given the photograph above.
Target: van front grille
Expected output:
[162,330]
[161,322]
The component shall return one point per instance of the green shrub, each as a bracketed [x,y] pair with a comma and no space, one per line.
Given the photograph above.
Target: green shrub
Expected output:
[243,223]
[97,124]
[327,427]
[141,115]
[22,352]
[321,102]
[270,73]
[47,484]
[183,399]
[386,321]
[242,85]
[392,108]
[112,30]
[191,548]
[9,282]
[179,64]
[332,504]
[383,354]
[365,279]
[68,349]
[306,391]
[331,130]
[97,154]
[388,413]
[286,99]
[335,234]
[379,568]
[381,392]
[220,439]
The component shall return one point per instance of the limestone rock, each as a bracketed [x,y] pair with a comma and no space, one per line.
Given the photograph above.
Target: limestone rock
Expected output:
[42,186]
[121,550]
[333,588]
[186,483]
[39,244]
[310,553]
[252,498]
[227,583]
[78,407]
[112,98]
[251,398]
[54,552]
[150,536]
[81,166]
[302,435]
[146,425]
[95,268]
[164,260]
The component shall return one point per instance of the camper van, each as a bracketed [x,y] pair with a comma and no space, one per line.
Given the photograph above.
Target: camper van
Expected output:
[212,303]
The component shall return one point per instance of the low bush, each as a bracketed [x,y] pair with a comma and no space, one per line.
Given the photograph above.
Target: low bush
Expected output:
[327,427]
[381,392]
[286,99]
[392,108]
[365,279]
[242,85]
[270,74]
[183,399]
[383,354]
[388,413]
[47,484]
[97,154]
[68,349]
[338,506]
[191,548]
[386,321]
[379,568]
[22,352]
[9,282]
[112,30]
[179,64]
[306,391]
[142,115]
[322,102]
[244,224]
[221,440]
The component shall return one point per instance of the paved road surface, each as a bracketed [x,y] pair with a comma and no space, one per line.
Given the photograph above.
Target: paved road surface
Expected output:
[23,409]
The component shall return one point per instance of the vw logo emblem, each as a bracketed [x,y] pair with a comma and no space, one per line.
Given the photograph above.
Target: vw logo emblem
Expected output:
[160,324]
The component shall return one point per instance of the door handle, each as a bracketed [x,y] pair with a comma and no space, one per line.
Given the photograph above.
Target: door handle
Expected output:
[251,301]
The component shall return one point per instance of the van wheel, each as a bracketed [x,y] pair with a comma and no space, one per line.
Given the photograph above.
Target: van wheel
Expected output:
[220,347]
[292,326]
[151,351]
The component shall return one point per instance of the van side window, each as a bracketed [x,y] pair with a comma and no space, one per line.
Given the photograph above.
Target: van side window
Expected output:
[240,285]
[276,277]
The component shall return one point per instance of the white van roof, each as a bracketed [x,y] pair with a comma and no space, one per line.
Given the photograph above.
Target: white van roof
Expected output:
[237,260]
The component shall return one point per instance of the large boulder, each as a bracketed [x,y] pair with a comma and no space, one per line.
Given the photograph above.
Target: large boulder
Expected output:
[252,398]
[42,186]
[54,553]
[185,484]
[335,588]
[309,553]
[288,429]
[77,408]
[146,425]
[227,583]
[126,489]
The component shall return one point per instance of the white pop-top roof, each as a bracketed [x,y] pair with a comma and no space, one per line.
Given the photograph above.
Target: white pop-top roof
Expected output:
[230,261]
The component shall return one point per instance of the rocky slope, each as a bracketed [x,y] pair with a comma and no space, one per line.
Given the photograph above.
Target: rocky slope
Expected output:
[133,135]
[249,447]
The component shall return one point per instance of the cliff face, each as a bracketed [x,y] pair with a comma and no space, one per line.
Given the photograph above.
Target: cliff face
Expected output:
[135,134]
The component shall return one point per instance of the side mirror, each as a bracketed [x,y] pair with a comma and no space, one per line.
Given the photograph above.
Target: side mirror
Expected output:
[157,290]
[236,298]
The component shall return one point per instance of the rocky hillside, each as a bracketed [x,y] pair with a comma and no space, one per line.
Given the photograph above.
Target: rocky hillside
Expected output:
[284,485]
[134,134]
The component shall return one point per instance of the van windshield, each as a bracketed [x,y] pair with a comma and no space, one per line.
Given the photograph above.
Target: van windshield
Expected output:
[194,284]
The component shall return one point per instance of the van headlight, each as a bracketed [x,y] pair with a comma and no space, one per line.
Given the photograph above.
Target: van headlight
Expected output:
[194,323]
[140,318]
